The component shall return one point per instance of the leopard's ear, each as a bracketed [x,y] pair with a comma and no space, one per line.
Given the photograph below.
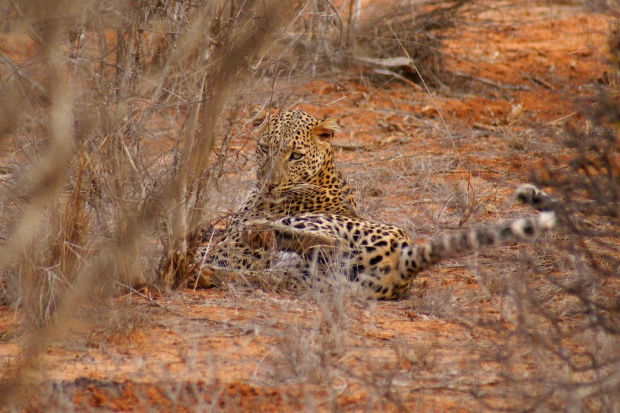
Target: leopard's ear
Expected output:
[258,114]
[326,129]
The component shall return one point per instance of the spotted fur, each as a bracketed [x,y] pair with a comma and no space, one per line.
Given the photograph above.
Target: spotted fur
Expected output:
[302,205]
[296,174]
[382,259]
[536,198]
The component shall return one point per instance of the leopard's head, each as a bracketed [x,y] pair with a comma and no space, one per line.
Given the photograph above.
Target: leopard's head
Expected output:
[293,148]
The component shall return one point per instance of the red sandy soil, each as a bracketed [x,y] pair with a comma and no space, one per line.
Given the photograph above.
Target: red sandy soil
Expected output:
[234,349]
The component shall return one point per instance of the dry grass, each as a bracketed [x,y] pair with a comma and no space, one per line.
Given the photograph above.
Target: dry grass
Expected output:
[87,191]
[583,305]
[123,131]
[85,178]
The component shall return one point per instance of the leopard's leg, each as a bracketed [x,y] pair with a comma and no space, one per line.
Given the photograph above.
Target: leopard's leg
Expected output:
[277,235]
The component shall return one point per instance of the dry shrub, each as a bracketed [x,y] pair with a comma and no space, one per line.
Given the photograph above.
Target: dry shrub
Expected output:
[565,321]
[111,112]
[120,145]
[44,269]
[401,28]
[331,36]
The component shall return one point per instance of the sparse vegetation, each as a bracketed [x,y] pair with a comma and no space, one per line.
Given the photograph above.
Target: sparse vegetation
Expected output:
[125,140]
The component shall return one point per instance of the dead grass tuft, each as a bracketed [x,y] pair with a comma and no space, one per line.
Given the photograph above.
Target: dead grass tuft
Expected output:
[116,324]
[437,303]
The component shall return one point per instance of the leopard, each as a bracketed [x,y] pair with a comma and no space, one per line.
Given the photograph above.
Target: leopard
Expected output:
[382,260]
[296,173]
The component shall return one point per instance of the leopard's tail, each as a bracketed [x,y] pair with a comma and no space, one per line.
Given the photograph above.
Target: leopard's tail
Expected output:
[536,198]
[416,258]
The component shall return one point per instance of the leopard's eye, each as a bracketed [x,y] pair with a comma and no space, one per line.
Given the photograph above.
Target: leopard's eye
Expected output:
[295,156]
[264,149]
